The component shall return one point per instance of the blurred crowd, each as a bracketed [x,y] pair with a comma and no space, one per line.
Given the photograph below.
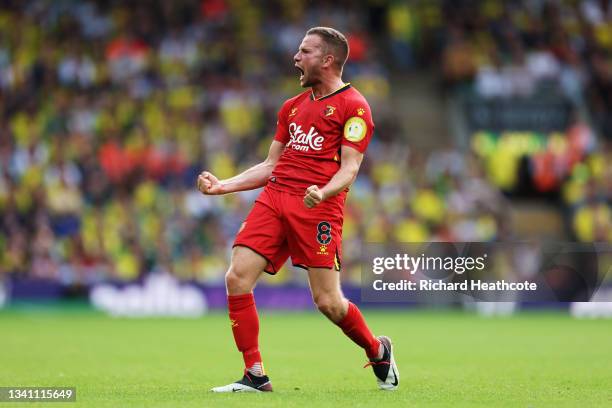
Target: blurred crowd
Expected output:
[110,109]
[522,48]
[587,193]
[548,51]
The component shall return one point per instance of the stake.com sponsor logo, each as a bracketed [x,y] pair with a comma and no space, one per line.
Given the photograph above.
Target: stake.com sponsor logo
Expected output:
[304,141]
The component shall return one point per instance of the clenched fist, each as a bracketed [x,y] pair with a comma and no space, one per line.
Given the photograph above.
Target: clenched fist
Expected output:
[208,184]
[313,196]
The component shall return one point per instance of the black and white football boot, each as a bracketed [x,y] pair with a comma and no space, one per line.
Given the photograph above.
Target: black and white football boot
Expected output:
[385,370]
[248,383]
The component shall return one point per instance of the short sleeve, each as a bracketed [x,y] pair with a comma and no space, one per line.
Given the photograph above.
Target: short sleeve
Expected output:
[282,130]
[358,126]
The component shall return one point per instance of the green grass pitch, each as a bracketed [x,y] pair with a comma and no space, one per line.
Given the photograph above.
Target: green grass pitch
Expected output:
[446,359]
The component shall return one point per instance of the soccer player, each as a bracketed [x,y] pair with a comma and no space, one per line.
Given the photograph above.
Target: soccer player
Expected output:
[319,144]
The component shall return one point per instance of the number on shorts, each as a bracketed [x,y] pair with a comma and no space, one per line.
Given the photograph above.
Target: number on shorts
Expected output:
[324,236]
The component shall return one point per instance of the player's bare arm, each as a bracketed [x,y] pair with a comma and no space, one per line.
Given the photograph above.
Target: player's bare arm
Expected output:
[344,177]
[252,178]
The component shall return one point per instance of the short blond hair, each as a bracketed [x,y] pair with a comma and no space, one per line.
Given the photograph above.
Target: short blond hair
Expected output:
[336,43]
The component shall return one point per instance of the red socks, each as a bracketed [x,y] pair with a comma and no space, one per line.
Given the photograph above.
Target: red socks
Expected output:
[245,326]
[355,327]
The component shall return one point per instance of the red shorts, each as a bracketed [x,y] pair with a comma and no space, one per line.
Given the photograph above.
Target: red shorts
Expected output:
[280,225]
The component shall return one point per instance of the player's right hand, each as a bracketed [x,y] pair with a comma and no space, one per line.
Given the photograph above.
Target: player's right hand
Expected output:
[208,184]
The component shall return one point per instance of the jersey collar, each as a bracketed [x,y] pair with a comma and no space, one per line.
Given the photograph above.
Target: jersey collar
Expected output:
[337,91]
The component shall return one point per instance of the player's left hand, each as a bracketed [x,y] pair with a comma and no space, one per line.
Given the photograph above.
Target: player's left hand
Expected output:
[313,196]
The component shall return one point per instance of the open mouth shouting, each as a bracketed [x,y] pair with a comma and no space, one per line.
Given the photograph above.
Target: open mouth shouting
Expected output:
[301,71]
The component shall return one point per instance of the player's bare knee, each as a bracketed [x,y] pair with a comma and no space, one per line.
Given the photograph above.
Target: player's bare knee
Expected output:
[237,281]
[330,306]
[231,280]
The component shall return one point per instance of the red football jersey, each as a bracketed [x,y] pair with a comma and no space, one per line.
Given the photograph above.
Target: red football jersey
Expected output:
[313,131]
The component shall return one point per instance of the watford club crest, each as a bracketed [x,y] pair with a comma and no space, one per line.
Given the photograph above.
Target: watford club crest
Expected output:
[293,112]
[329,110]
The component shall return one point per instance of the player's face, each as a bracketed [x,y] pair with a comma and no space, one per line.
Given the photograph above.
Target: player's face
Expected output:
[308,60]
